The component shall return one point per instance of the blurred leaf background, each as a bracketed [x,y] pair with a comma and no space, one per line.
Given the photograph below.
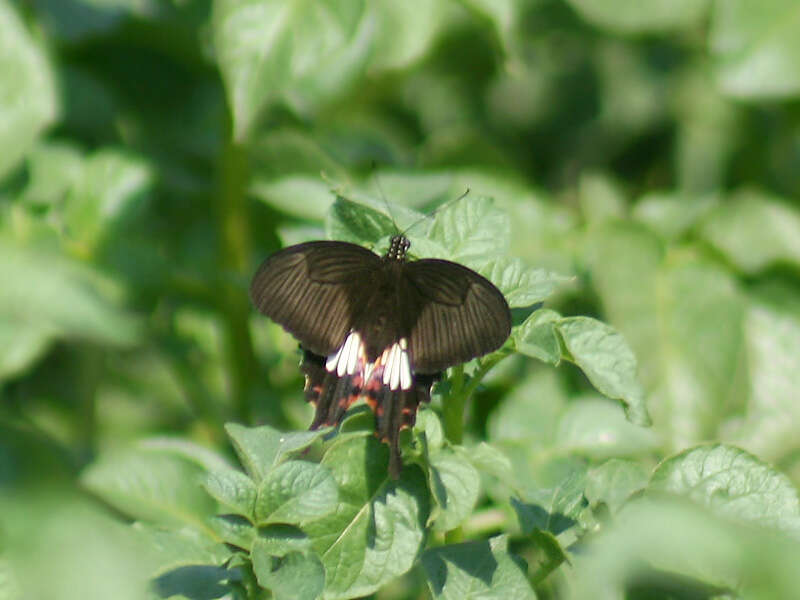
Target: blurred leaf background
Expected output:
[154,151]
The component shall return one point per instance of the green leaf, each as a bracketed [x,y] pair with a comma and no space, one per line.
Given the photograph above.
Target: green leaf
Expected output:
[709,125]
[152,486]
[195,582]
[472,229]
[53,168]
[109,193]
[261,448]
[65,545]
[294,576]
[771,419]
[411,189]
[672,311]
[297,195]
[9,588]
[362,218]
[613,482]
[595,427]
[233,489]
[180,547]
[502,14]
[359,419]
[555,509]
[28,101]
[600,198]
[85,308]
[642,16]
[756,48]
[455,484]
[529,415]
[755,231]
[552,553]
[406,32]
[730,482]
[280,540]
[271,50]
[483,570]
[691,548]
[491,461]
[537,336]
[294,492]
[350,221]
[296,154]
[77,20]
[234,530]
[202,456]
[670,215]
[429,423]
[521,285]
[609,363]
[378,527]
[21,344]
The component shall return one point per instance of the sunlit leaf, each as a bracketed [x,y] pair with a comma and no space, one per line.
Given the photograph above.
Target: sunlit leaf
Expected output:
[609,363]
[294,492]
[756,48]
[521,285]
[270,50]
[261,448]
[731,482]
[755,231]
[377,528]
[152,486]
[671,312]
[484,569]
[296,575]
[28,102]
[182,547]
[455,484]
[770,423]
[61,297]
[537,336]
[613,482]
[660,545]
[646,15]
[597,428]
[233,489]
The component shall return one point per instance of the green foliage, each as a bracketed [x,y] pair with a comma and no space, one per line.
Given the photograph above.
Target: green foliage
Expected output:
[632,170]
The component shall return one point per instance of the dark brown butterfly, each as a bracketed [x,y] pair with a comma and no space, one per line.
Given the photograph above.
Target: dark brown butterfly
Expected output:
[379,327]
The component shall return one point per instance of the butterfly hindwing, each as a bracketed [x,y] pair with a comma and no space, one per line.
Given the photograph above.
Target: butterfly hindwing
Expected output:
[395,409]
[312,289]
[330,393]
[461,315]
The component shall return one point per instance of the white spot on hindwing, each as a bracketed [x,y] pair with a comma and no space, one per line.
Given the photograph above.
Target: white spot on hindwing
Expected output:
[346,360]
[396,366]
[393,365]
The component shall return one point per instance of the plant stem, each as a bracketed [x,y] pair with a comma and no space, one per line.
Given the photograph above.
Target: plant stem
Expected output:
[454,407]
[235,242]
[89,365]
[453,410]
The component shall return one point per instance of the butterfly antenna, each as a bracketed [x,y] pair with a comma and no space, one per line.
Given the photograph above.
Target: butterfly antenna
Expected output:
[382,195]
[436,210]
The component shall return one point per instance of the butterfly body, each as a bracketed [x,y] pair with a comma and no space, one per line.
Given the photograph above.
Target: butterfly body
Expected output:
[378,327]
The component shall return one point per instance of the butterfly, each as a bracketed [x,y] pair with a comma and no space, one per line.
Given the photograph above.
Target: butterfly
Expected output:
[381,327]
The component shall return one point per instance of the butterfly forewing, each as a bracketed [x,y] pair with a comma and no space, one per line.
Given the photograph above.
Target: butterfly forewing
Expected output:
[462,315]
[312,290]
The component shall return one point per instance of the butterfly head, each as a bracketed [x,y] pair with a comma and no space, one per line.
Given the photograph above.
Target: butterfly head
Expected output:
[398,248]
